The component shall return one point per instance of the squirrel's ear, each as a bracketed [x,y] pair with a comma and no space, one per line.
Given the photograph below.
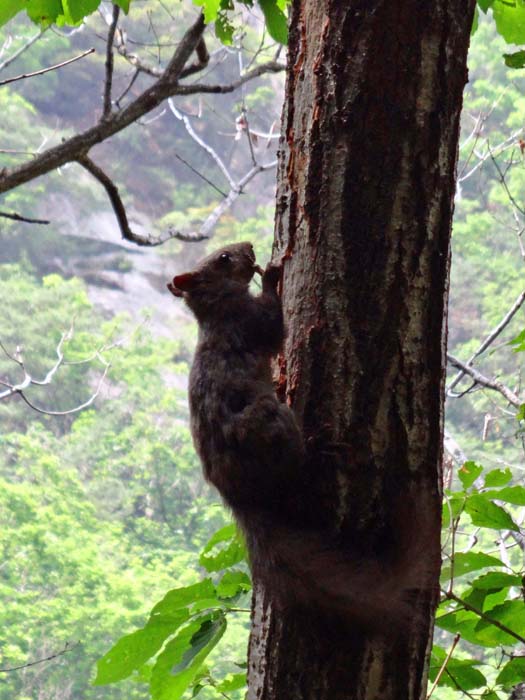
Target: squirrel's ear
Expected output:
[183,283]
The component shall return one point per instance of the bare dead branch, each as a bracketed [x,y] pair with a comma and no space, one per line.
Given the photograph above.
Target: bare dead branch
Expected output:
[68,647]
[120,211]
[76,409]
[203,58]
[509,142]
[22,49]
[47,70]
[482,380]
[202,143]
[494,333]
[503,183]
[138,63]
[236,188]
[28,380]
[78,145]
[454,644]
[109,62]
[223,206]
[268,67]
[17,217]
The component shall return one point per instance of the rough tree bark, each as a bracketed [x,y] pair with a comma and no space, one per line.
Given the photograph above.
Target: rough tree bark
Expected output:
[364,206]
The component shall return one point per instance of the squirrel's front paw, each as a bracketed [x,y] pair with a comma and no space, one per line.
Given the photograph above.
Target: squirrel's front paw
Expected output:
[271,277]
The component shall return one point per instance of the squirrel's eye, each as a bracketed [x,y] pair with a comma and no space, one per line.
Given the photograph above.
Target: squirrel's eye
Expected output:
[225,258]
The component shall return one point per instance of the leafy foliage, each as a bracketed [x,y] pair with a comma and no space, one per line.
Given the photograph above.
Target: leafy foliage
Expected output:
[482,594]
[183,629]
[72,12]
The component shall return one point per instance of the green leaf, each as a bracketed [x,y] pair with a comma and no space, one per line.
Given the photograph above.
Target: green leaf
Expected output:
[485,5]
[123,4]
[468,473]
[227,556]
[515,60]
[498,477]
[224,28]
[232,583]
[133,650]
[520,415]
[464,563]
[452,508]
[210,9]
[9,8]
[512,673]
[76,10]
[463,622]
[181,660]
[496,580]
[475,21]
[518,341]
[510,20]
[44,12]
[489,694]
[511,614]
[276,22]
[182,598]
[233,681]
[485,513]
[460,672]
[509,494]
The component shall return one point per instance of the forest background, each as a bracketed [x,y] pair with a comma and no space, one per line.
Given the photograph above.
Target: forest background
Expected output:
[104,510]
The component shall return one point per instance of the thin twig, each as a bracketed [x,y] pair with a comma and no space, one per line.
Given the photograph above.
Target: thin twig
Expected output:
[457,637]
[46,70]
[68,647]
[199,174]
[127,89]
[494,333]
[76,409]
[202,143]
[109,62]
[22,49]
[482,380]
[503,183]
[223,206]
[25,219]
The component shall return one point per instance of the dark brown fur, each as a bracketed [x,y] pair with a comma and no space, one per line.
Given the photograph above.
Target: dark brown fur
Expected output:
[252,450]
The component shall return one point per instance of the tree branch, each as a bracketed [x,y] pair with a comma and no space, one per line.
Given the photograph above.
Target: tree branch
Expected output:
[202,143]
[120,210]
[268,67]
[482,380]
[17,217]
[452,596]
[46,70]
[67,648]
[109,62]
[28,380]
[490,338]
[78,145]
[22,49]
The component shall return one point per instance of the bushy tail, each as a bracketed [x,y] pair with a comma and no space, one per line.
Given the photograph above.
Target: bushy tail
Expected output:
[303,568]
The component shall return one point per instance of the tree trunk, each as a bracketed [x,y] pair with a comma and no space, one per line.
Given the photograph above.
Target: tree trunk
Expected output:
[364,206]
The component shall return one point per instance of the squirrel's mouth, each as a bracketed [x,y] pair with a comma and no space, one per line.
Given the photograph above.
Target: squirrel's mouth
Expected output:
[175,290]
[181,283]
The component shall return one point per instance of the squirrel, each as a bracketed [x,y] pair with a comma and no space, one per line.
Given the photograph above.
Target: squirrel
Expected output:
[252,450]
